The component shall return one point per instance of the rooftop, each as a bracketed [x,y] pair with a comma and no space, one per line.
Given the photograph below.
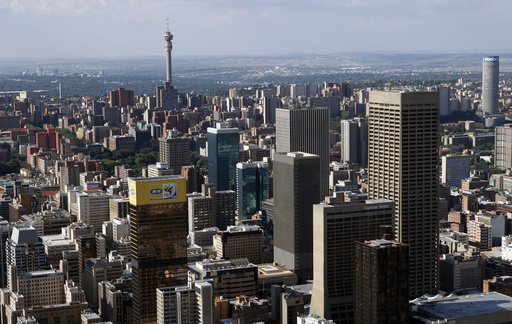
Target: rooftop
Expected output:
[466,306]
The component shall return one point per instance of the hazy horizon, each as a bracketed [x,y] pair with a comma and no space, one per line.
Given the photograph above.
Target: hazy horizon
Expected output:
[135,28]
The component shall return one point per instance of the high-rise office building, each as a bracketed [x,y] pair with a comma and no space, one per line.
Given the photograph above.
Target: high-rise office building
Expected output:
[252,187]
[454,168]
[192,303]
[403,167]
[223,150]
[24,252]
[270,104]
[305,130]
[5,233]
[335,230]
[354,141]
[211,208]
[91,207]
[296,189]
[201,211]
[503,146]
[175,151]
[239,242]
[444,101]
[69,174]
[490,83]
[121,98]
[158,231]
[381,294]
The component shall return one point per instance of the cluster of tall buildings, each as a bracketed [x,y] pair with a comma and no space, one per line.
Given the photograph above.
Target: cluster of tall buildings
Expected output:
[249,214]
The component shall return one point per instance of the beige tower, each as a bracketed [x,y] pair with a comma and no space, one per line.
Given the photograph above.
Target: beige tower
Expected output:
[403,167]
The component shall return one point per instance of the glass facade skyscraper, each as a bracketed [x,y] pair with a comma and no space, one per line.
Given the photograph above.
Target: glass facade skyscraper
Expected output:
[222,157]
[252,187]
[158,231]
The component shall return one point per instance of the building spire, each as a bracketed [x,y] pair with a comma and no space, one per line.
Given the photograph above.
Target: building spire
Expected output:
[168,29]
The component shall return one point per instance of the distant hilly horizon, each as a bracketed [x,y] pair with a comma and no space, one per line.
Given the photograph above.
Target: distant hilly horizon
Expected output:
[482,52]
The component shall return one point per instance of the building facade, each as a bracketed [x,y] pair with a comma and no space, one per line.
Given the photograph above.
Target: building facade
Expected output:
[305,130]
[381,294]
[354,141]
[192,303]
[175,151]
[296,188]
[252,185]
[335,230]
[223,150]
[454,169]
[403,167]
[490,84]
[503,146]
[158,232]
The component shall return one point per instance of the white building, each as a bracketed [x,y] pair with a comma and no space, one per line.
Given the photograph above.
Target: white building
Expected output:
[313,319]
[73,293]
[120,228]
[506,248]
[92,207]
[185,304]
[480,234]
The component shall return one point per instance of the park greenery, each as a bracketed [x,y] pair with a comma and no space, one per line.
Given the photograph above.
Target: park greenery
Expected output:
[139,160]
[135,161]
[66,133]
[14,165]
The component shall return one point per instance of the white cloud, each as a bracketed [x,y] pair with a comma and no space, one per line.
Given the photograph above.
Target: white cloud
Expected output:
[16,6]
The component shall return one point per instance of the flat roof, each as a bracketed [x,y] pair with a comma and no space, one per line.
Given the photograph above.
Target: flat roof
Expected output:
[157,178]
[467,306]
[271,270]
[40,273]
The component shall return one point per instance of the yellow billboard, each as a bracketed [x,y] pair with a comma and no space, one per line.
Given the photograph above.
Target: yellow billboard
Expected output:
[158,190]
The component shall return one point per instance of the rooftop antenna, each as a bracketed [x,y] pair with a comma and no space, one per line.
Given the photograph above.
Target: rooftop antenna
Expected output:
[168,30]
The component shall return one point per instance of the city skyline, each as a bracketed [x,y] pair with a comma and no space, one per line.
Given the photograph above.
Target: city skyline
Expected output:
[73,29]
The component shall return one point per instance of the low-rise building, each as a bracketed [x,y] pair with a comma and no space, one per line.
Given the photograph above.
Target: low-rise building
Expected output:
[230,278]
[239,242]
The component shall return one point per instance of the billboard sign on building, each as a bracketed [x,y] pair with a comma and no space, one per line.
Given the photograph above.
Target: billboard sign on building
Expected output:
[159,190]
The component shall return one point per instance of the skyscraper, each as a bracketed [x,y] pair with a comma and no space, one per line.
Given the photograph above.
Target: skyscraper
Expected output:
[24,251]
[381,294]
[296,189]
[503,146]
[158,231]
[490,80]
[403,167]
[444,101]
[305,130]
[252,187]
[454,168]
[354,141]
[335,229]
[175,151]
[192,303]
[222,157]
[270,104]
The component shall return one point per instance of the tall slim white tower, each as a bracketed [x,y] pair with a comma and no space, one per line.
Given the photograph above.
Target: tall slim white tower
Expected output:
[168,49]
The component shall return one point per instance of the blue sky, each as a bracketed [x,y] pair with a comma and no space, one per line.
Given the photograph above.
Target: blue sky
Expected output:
[110,28]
